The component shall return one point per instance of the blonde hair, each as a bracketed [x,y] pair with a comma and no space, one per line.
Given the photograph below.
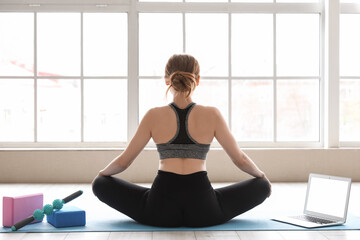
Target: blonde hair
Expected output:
[182,71]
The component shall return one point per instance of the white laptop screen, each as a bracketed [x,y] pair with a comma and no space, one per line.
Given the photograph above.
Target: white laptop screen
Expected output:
[327,196]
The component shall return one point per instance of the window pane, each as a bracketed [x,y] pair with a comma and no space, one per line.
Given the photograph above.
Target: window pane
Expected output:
[160,0]
[105,48]
[252,110]
[298,110]
[349,44]
[207,40]
[251,1]
[252,51]
[206,0]
[213,93]
[58,44]
[16,44]
[350,110]
[59,110]
[297,44]
[152,94]
[298,1]
[160,36]
[105,110]
[16,110]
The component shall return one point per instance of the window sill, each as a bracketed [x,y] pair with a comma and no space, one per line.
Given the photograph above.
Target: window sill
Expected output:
[151,148]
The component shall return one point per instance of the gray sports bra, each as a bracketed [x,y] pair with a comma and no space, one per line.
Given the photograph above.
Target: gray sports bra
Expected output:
[182,145]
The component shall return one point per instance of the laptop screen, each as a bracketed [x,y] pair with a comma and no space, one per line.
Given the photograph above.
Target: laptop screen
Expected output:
[327,196]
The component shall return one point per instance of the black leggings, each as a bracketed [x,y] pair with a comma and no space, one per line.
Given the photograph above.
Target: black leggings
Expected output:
[176,200]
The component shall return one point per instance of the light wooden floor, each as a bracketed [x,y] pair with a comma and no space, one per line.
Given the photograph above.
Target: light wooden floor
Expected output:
[291,193]
[265,235]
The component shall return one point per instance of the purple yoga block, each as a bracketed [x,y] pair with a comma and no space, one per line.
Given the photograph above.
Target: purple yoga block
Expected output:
[16,209]
[68,216]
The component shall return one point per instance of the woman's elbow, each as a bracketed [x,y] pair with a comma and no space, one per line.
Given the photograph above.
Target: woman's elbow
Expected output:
[240,163]
[123,165]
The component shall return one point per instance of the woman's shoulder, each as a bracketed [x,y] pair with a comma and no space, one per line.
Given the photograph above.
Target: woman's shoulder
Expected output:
[208,109]
[158,111]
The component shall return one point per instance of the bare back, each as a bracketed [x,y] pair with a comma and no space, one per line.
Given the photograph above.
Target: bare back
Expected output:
[201,127]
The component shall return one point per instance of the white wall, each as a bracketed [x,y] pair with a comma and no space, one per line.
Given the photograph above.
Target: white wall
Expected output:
[80,166]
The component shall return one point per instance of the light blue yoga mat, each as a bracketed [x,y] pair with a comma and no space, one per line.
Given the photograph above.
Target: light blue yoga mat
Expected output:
[123,223]
[102,218]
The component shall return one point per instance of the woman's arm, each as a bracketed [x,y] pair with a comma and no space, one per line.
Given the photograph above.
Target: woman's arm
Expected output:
[228,142]
[136,145]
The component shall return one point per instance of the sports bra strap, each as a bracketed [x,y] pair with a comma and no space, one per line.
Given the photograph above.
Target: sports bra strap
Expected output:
[182,135]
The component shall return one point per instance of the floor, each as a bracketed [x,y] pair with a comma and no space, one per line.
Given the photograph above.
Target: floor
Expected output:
[292,193]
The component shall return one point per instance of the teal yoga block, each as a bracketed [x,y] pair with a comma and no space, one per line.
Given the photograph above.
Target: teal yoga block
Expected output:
[68,216]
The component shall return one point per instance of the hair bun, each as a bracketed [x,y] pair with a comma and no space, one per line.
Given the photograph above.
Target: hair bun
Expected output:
[183,81]
[180,75]
[182,70]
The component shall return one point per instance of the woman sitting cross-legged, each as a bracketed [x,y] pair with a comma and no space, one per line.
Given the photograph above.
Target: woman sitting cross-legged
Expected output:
[181,194]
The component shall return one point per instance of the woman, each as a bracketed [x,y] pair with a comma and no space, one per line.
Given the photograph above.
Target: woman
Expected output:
[181,194]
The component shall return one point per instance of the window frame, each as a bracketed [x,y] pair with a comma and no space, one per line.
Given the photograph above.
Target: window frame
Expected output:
[328,79]
[347,8]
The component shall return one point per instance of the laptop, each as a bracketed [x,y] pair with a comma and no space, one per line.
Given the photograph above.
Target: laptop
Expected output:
[326,202]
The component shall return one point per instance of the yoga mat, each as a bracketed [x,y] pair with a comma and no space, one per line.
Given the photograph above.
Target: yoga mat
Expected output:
[241,223]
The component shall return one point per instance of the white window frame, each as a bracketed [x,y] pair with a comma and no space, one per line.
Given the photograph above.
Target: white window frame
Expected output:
[348,8]
[329,55]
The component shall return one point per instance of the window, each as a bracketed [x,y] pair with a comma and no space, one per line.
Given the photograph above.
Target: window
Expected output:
[66,81]
[349,77]
[169,38]
[264,61]
[84,74]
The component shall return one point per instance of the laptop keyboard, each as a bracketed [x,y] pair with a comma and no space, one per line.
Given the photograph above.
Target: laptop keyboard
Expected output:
[312,219]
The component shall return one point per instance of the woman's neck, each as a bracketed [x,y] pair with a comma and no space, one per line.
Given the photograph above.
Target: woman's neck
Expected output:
[181,101]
